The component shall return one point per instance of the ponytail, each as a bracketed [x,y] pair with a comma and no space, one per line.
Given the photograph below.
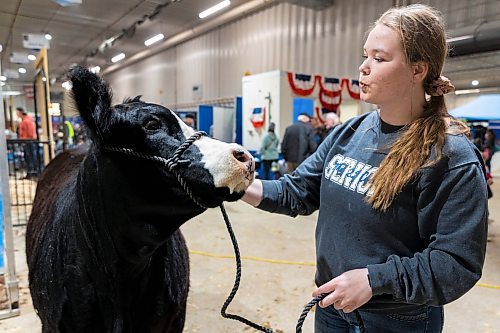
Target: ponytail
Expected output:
[412,152]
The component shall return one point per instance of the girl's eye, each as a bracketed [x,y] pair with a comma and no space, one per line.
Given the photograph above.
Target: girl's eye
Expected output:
[378,59]
[152,125]
[364,56]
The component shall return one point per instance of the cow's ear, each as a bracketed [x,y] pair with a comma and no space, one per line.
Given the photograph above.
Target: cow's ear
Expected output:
[93,99]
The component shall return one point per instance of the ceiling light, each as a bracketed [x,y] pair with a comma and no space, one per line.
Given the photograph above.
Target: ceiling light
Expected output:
[31,57]
[214,9]
[44,79]
[467,91]
[22,70]
[475,82]
[154,39]
[11,93]
[456,39]
[118,57]
[66,3]
[2,84]
[48,36]
[3,78]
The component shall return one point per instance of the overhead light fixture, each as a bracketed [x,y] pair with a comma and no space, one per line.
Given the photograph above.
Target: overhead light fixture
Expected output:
[48,36]
[66,3]
[474,82]
[467,91]
[2,84]
[154,39]
[118,57]
[31,57]
[214,9]
[11,93]
[456,39]
[3,78]
[22,70]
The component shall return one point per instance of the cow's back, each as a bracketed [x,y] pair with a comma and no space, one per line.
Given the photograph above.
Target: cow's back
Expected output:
[58,173]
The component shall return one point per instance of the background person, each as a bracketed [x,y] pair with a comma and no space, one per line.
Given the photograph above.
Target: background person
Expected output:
[269,150]
[298,142]
[489,147]
[27,131]
[331,120]
[189,120]
[401,191]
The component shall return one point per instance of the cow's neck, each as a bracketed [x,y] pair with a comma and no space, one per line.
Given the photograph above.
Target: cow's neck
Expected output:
[136,206]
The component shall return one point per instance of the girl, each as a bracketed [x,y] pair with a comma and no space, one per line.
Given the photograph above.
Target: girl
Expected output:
[401,191]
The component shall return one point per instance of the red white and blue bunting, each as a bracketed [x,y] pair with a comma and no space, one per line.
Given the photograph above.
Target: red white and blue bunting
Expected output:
[302,84]
[330,92]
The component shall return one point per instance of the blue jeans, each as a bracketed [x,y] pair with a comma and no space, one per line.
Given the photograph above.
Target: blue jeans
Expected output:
[428,319]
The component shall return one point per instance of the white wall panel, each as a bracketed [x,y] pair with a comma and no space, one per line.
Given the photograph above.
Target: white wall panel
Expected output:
[154,79]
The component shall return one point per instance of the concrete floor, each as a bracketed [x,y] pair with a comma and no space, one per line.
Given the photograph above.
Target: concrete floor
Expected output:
[272,292]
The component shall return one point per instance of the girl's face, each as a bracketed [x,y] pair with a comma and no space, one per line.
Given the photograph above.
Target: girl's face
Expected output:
[385,77]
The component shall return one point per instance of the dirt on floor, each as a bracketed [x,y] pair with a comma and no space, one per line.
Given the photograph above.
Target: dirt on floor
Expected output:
[277,275]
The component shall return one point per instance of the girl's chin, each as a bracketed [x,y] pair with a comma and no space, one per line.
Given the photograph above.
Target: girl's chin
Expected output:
[365,98]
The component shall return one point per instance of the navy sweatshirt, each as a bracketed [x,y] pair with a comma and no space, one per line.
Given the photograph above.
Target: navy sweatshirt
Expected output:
[427,249]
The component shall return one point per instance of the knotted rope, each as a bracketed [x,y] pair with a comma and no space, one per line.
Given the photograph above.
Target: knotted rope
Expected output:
[171,163]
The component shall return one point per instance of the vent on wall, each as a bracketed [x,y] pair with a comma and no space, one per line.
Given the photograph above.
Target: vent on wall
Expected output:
[313,4]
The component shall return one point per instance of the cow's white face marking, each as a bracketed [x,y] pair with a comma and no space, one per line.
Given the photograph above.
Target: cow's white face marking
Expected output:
[218,158]
[226,170]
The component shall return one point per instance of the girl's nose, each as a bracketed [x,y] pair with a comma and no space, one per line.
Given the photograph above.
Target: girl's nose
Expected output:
[363,68]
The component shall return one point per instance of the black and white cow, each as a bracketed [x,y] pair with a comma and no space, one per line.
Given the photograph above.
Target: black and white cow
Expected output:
[104,249]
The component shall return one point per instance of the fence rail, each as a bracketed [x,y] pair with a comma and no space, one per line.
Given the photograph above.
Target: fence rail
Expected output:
[25,159]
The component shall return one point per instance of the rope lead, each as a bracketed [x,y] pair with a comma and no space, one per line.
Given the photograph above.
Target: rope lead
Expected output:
[171,164]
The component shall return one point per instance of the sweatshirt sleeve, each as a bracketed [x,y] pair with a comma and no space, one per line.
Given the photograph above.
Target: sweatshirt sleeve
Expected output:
[452,218]
[298,193]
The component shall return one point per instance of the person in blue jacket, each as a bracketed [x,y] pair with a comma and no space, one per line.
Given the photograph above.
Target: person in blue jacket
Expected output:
[269,150]
[401,191]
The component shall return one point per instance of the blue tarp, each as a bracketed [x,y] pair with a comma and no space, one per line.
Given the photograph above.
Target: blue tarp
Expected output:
[485,107]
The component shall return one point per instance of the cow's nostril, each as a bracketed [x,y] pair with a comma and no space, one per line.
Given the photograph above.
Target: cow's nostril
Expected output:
[240,155]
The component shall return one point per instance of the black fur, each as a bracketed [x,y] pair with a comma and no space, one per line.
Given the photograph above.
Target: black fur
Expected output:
[103,246]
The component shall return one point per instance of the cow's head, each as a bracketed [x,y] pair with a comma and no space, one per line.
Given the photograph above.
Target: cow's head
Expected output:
[216,171]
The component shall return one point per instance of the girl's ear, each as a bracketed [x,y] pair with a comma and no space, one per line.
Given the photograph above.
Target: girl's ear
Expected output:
[420,69]
[93,99]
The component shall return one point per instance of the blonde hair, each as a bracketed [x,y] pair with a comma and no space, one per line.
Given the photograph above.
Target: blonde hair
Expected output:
[422,34]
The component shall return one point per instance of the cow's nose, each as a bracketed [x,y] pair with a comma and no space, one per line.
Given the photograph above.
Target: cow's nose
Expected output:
[242,155]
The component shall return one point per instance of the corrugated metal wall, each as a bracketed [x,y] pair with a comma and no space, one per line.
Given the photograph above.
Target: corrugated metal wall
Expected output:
[285,37]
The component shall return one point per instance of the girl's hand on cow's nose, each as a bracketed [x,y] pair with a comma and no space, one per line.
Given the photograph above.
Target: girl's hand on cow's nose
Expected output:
[253,194]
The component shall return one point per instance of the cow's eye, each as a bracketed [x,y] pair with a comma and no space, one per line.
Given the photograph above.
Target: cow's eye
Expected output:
[152,125]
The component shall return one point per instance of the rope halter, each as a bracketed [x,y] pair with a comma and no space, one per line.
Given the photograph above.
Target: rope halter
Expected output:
[171,163]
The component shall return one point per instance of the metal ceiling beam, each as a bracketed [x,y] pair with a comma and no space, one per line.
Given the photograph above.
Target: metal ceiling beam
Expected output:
[483,37]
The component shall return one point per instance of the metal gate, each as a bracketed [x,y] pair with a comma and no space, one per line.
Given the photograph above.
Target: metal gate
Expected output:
[25,159]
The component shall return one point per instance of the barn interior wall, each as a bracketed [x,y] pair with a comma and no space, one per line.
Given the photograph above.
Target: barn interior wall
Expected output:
[281,37]
[284,37]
